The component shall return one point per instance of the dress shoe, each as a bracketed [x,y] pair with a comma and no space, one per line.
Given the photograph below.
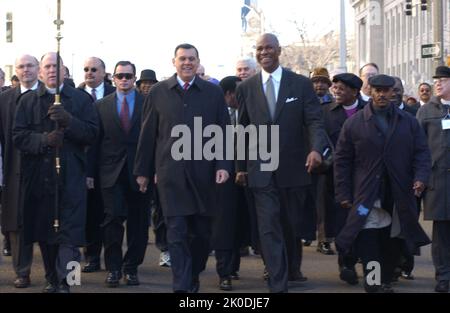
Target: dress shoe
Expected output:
[386,288]
[225,284]
[6,252]
[91,267]
[325,248]
[195,286]
[372,288]
[234,276]
[22,282]
[407,276]
[297,277]
[306,243]
[63,287]
[50,288]
[244,251]
[112,279]
[131,279]
[442,286]
[349,275]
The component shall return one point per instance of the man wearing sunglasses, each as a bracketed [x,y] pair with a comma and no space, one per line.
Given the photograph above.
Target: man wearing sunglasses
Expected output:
[120,125]
[94,73]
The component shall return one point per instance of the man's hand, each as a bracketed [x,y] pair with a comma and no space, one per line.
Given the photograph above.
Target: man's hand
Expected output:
[346,204]
[418,188]
[313,160]
[222,176]
[55,138]
[90,183]
[142,181]
[241,179]
[59,115]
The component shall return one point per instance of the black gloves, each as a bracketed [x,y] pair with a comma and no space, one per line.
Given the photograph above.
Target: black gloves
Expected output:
[55,138]
[59,115]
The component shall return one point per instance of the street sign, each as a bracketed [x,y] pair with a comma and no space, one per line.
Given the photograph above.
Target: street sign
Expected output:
[432,50]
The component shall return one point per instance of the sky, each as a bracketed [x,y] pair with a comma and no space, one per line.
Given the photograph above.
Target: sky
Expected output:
[146,32]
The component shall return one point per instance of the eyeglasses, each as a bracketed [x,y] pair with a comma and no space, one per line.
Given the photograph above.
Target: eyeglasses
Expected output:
[124,75]
[441,80]
[93,69]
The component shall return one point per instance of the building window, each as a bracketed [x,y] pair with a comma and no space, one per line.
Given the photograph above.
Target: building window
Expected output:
[9,27]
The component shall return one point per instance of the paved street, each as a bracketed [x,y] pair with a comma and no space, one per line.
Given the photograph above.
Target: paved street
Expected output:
[320,269]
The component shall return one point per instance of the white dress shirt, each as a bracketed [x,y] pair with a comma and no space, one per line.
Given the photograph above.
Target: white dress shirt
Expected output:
[23,89]
[276,79]
[99,91]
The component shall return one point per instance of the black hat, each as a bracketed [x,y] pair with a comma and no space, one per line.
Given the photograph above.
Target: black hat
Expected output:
[147,75]
[349,79]
[381,80]
[442,71]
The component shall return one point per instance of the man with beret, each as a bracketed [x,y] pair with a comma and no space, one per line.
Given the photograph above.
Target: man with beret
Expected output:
[381,162]
[434,118]
[347,88]
[146,81]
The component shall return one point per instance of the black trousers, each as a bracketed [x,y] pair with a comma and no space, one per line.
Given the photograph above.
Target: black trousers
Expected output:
[279,228]
[94,218]
[224,263]
[159,225]
[440,249]
[189,245]
[122,203]
[22,254]
[376,245]
[56,258]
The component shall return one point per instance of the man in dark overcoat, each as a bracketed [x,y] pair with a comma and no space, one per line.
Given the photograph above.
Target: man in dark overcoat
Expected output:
[346,91]
[381,162]
[35,135]
[278,98]
[434,117]
[27,68]
[183,106]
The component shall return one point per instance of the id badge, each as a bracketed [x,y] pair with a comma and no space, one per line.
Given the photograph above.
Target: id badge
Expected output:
[445,124]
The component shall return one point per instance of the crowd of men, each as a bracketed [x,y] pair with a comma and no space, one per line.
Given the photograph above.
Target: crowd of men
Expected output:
[356,161]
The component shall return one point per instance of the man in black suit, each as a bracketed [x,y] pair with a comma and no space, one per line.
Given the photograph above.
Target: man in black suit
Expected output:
[185,180]
[27,68]
[94,74]
[279,98]
[120,124]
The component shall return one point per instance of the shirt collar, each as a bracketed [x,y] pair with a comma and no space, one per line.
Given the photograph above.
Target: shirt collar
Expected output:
[276,75]
[352,106]
[23,89]
[97,89]
[182,82]
[401,106]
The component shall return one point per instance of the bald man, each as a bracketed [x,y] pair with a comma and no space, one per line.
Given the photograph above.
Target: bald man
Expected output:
[26,67]
[40,127]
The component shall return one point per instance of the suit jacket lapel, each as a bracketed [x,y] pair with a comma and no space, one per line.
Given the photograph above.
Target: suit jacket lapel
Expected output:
[113,110]
[136,110]
[282,95]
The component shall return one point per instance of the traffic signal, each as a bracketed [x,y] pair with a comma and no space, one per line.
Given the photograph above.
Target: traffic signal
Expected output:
[423,5]
[408,7]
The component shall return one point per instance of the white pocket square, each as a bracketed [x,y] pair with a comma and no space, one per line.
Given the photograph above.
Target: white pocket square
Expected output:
[291,99]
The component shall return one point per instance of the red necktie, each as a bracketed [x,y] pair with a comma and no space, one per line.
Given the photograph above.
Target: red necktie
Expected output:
[124,115]
[186,86]
[93,94]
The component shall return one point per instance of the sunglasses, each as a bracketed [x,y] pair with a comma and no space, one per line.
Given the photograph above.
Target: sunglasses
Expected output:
[93,69]
[124,75]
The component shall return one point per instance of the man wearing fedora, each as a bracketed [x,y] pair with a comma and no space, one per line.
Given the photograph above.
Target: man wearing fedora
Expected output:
[322,83]
[435,119]
[146,81]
